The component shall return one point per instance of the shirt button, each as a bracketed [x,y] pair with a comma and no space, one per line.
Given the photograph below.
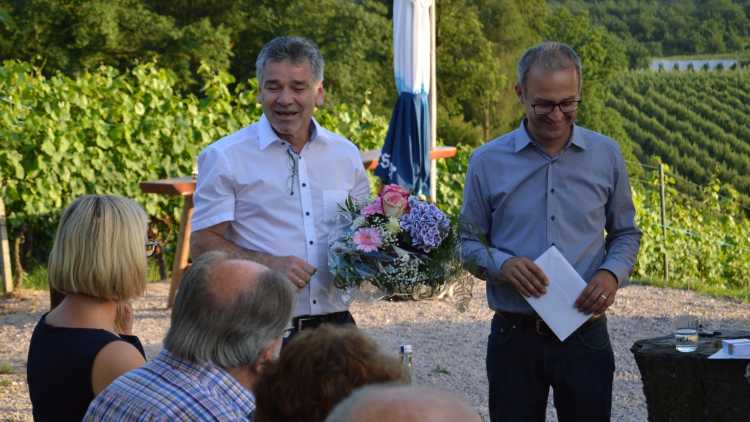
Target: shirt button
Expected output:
[304,185]
[552,190]
[307,212]
[552,218]
[315,302]
[311,242]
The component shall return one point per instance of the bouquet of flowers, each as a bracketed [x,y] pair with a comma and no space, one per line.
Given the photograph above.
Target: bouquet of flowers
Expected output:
[400,244]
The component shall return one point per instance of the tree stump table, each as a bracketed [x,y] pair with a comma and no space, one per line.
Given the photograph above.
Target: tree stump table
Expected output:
[689,387]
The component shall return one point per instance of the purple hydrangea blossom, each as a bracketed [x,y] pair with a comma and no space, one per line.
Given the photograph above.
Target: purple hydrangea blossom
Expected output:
[426,224]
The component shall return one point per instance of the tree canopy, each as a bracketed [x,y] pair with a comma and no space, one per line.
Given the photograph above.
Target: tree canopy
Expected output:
[674,27]
[479,43]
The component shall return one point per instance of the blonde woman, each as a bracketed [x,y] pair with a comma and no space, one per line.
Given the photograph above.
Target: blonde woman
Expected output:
[98,262]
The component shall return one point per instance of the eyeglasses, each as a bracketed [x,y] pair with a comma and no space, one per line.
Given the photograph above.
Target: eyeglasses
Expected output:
[151,246]
[567,106]
[287,332]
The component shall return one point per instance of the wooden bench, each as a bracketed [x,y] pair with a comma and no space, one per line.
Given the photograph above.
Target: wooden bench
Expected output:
[185,187]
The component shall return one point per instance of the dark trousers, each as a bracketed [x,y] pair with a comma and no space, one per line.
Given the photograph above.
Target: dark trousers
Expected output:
[523,363]
[307,322]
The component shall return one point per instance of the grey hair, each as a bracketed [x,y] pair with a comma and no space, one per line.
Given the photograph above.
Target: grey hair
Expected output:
[295,49]
[551,56]
[233,334]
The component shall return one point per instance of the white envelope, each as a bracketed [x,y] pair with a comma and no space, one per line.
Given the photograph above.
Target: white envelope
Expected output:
[722,354]
[557,306]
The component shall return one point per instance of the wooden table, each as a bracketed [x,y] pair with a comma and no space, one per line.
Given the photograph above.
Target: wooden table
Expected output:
[185,186]
[370,157]
[689,387]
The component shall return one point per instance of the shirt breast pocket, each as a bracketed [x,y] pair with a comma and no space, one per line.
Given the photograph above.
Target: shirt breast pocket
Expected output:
[333,200]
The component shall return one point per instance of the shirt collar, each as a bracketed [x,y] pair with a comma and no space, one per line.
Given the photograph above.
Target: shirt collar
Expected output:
[227,386]
[522,139]
[267,136]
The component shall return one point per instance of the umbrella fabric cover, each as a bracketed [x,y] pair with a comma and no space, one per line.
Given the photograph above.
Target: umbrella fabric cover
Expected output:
[404,158]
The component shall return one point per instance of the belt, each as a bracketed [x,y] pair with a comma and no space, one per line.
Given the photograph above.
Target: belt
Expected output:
[535,324]
[303,322]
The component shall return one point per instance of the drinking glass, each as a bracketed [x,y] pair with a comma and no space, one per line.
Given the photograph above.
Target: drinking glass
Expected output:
[685,328]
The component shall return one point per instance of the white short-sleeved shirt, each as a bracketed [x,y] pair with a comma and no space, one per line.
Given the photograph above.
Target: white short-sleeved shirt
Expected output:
[246,178]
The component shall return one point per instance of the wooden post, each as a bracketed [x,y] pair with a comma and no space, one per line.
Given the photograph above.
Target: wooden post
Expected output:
[5,273]
[433,100]
[183,249]
[663,206]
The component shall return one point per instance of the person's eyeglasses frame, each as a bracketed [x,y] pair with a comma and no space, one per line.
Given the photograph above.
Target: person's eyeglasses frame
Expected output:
[572,103]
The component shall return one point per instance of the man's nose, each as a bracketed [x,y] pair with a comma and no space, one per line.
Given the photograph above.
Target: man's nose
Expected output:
[556,113]
[285,96]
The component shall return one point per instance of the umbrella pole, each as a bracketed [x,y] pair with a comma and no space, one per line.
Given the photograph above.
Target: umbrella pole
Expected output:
[433,102]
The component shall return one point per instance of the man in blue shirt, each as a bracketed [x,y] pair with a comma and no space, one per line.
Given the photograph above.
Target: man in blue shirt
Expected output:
[549,183]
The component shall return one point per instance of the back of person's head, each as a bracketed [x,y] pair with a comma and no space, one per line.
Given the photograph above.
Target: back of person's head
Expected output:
[319,368]
[228,311]
[550,56]
[402,403]
[99,249]
[296,50]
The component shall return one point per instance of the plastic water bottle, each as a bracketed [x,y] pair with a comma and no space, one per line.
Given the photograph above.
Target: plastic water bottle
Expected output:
[405,351]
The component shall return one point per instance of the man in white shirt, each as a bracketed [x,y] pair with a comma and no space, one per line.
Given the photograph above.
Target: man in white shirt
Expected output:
[271,191]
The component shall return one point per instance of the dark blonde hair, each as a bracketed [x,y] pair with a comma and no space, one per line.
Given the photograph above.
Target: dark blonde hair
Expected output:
[99,249]
[318,369]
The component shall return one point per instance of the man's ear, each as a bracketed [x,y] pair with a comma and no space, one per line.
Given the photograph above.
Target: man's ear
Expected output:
[320,95]
[519,93]
[269,353]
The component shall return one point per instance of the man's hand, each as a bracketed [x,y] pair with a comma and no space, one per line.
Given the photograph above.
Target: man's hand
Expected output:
[297,270]
[599,294]
[525,275]
[124,318]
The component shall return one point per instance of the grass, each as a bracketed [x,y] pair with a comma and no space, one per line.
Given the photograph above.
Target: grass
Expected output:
[741,294]
[440,370]
[5,368]
[4,383]
[36,278]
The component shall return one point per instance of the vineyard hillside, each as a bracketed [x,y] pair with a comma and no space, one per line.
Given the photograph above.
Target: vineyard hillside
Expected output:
[697,122]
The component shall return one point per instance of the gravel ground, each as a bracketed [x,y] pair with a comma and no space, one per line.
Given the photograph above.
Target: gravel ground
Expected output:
[449,347]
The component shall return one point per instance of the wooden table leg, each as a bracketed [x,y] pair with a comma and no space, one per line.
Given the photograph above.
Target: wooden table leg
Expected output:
[183,249]
[5,275]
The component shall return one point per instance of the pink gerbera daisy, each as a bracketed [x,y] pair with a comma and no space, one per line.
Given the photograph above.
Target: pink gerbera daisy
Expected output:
[367,239]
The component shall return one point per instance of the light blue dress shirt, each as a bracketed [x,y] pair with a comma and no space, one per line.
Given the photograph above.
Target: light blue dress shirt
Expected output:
[519,201]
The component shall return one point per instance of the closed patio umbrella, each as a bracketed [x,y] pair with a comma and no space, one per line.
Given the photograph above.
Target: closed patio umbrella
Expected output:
[404,159]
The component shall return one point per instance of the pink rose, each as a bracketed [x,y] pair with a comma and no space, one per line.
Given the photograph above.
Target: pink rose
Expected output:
[395,200]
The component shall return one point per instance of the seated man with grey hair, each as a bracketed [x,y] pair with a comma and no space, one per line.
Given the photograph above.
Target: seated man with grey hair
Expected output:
[227,323]
[402,403]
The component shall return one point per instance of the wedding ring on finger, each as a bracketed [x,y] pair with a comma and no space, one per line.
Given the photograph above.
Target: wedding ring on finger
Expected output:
[603,297]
